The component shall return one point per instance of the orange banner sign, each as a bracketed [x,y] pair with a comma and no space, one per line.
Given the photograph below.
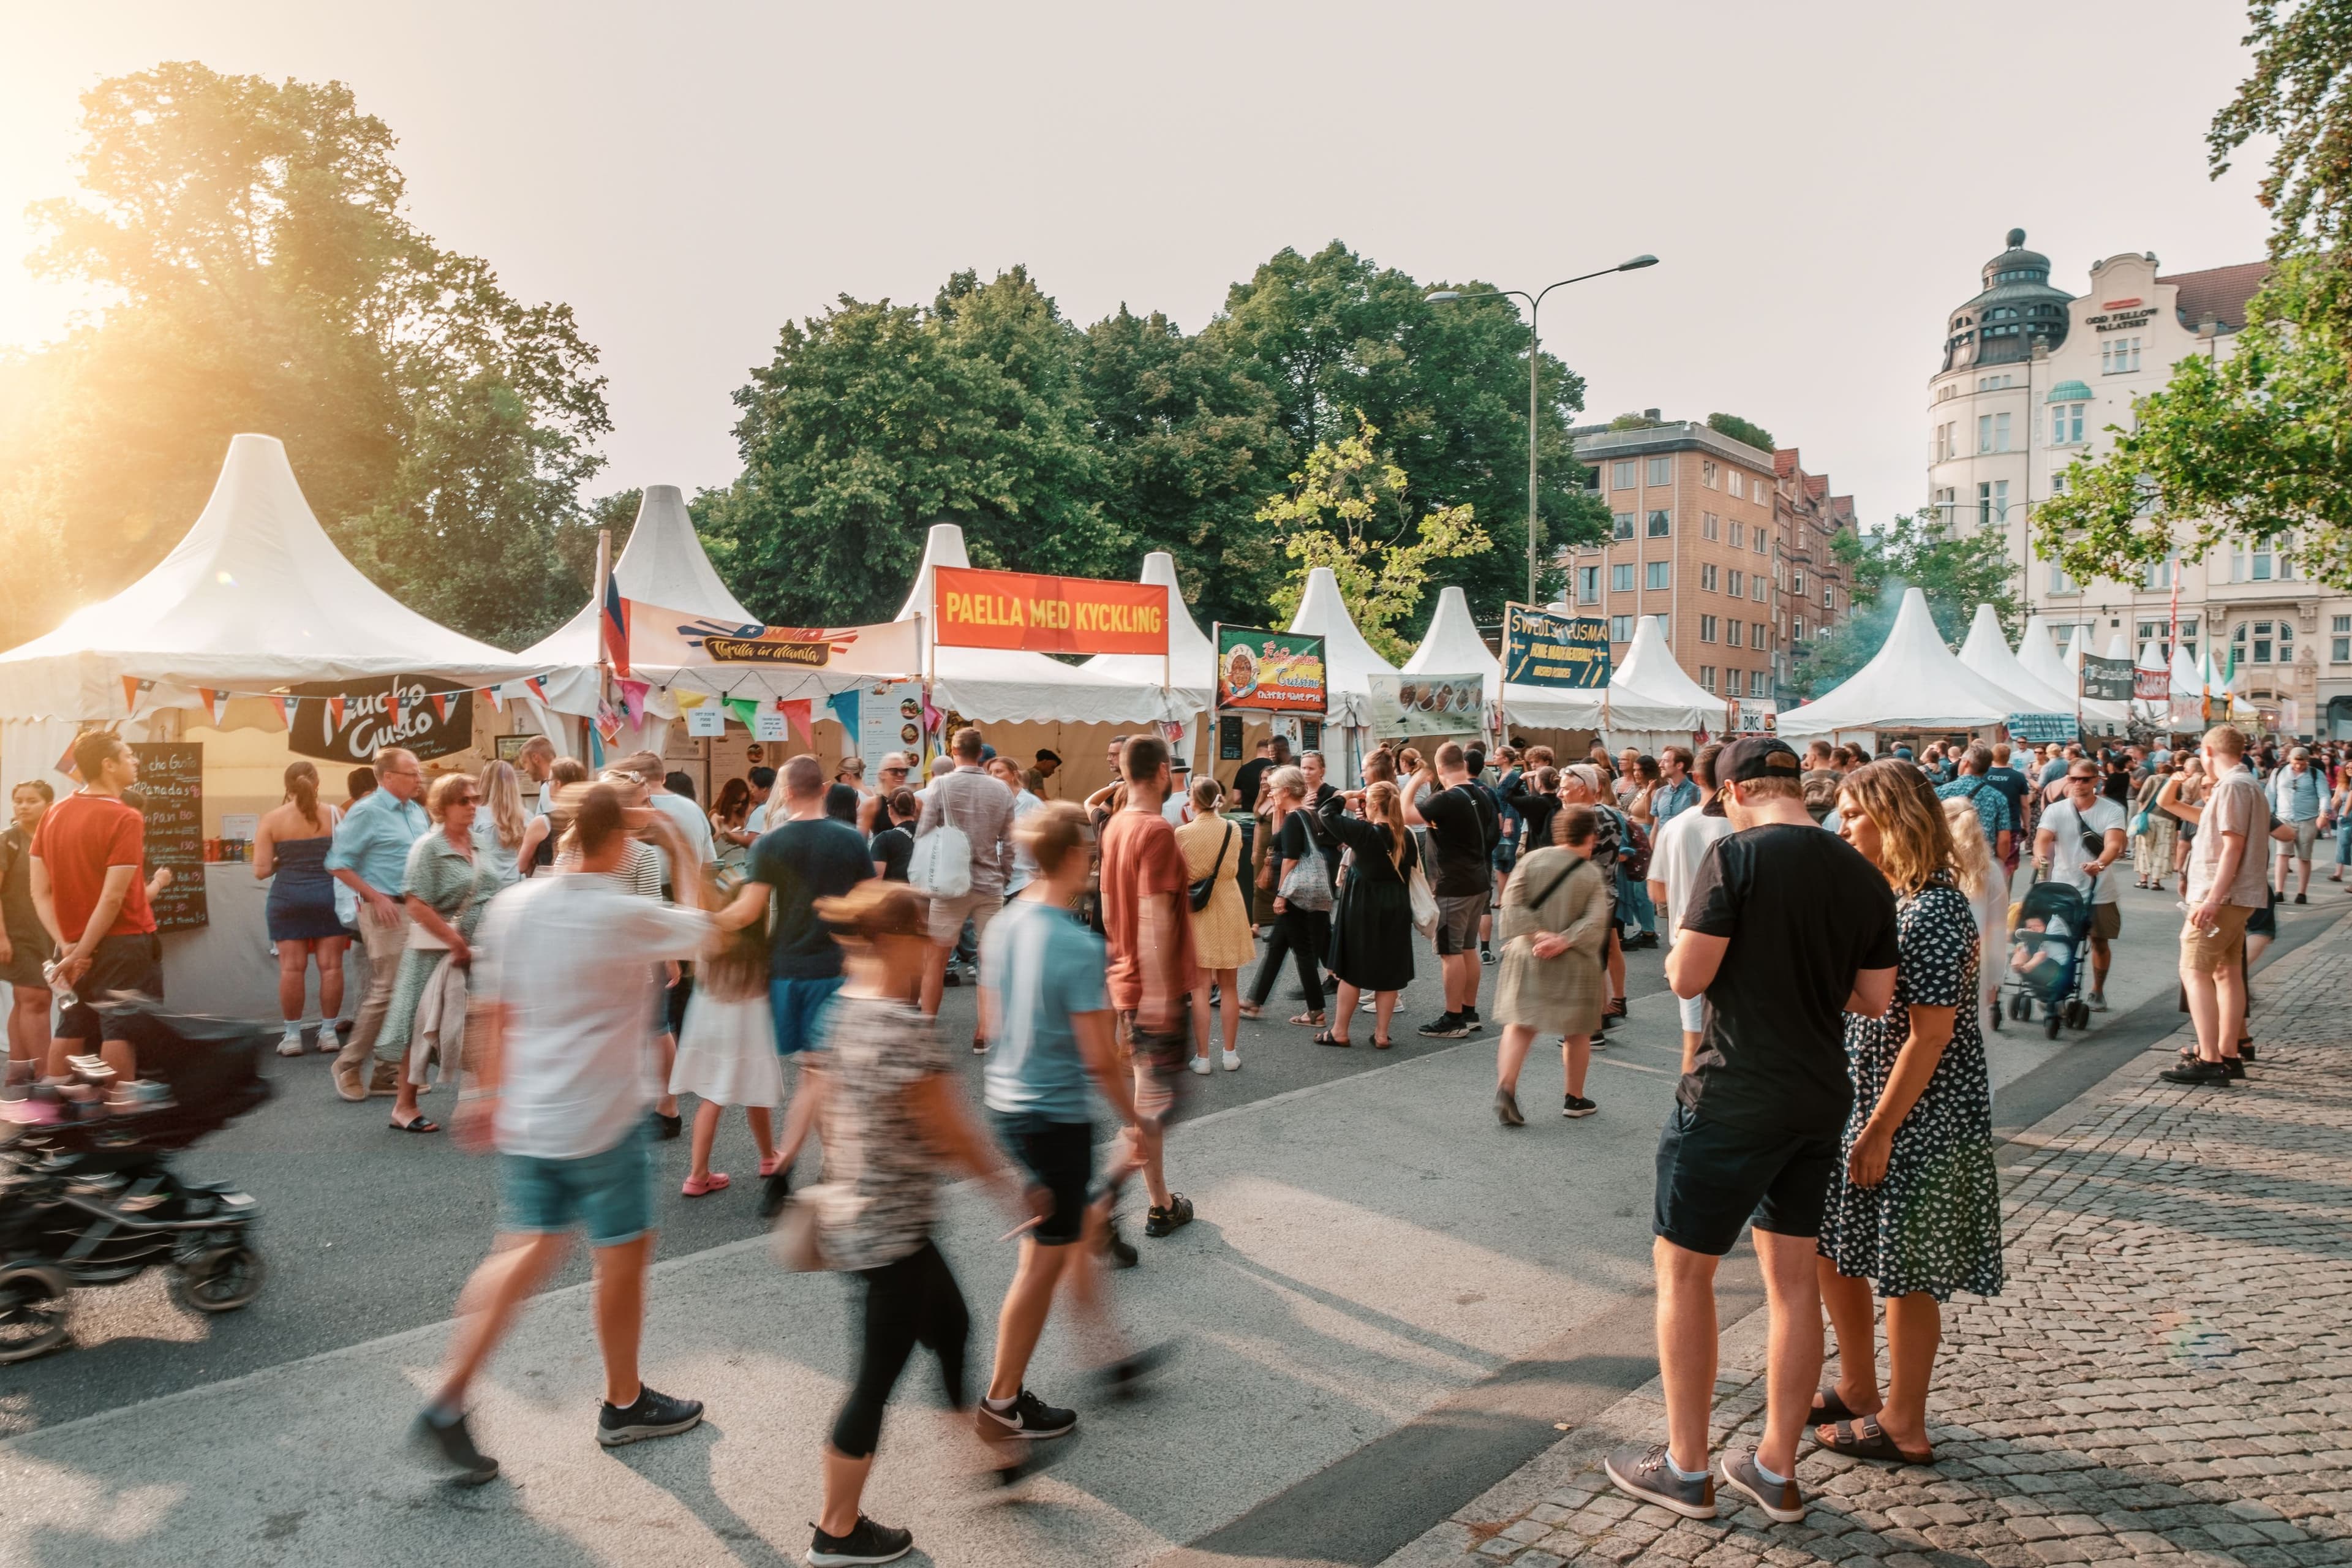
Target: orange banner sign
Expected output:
[1047,615]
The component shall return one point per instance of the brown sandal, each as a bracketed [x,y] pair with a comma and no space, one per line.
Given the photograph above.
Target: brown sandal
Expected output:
[1308,1020]
[1866,1439]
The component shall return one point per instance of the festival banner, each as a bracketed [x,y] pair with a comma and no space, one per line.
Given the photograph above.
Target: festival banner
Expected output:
[660,638]
[350,726]
[1265,672]
[1046,614]
[2106,680]
[2152,684]
[1542,649]
[1427,704]
[2042,729]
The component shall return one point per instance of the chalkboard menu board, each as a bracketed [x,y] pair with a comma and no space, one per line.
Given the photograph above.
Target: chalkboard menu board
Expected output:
[171,782]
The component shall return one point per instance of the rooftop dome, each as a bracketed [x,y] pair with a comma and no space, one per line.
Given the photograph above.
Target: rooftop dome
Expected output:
[2017,307]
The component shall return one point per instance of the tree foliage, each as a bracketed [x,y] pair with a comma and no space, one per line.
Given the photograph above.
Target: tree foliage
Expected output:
[2296,97]
[1918,550]
[1739,429]
[259,274]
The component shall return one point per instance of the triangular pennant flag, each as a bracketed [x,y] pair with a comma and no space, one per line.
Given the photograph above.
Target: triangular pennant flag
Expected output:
[633,698]
[130,696]
[744,709]
[845,711]
[289,707]
[65,763]
[616,627]
[538,687]
[441,706]
[497,696]
[796,714]
[335,711]
[391,709]
[215,703]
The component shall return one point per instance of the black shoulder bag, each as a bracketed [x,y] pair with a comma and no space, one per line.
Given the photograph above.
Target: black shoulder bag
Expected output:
[1206,887]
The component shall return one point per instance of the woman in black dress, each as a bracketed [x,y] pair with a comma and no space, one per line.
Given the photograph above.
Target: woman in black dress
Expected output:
[893,844]
[1372,925]
[26,945]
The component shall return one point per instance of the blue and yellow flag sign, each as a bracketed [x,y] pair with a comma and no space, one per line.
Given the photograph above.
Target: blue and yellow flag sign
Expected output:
[1540,648]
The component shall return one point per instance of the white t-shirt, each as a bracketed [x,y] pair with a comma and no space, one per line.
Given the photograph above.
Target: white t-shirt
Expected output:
[691,825]
[1675,855]
[572,958]
[757,823]
[2067,859]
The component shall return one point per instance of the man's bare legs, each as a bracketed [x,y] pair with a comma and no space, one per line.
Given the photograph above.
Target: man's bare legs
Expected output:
[2217,1006]
[518,1265]
[1686,1346]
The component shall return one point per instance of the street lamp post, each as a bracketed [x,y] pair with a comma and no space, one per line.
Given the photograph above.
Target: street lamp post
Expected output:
[1535,370]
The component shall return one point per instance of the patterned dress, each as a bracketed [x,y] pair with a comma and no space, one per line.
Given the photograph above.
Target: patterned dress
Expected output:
[1933,1223]
[460,889]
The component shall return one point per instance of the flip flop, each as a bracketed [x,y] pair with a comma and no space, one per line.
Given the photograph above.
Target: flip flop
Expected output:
[1308,1020]
[1381,1045]
[419,1125]
[1252,1010]
[1866,1439]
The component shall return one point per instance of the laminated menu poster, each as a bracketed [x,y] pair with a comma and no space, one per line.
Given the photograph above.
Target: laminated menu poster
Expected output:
[1427,704]
[172,799]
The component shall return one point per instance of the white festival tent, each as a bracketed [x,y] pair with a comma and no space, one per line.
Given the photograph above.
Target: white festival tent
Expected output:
[1651,693]
[2187,679]
[2038,650]
[1349,660]
[1986,652]
[1013,686]
[1913,682]
[254,598]
[1452,646]
[1192,662]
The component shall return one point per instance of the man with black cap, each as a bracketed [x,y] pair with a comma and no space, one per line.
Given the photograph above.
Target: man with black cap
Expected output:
[1786,930]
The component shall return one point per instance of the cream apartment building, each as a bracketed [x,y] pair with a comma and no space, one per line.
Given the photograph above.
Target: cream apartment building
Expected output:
[2034,378]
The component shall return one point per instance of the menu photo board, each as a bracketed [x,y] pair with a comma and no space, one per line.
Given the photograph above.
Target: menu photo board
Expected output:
[1428,704]
[1543,647]
[172,799]
[1264,671]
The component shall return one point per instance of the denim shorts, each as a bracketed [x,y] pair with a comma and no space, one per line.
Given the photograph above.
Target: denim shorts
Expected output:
[799,1006]
[611,1195]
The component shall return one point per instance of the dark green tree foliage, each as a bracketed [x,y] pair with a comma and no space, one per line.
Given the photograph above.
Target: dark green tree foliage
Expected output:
[260,275]
[1956,574]
[1739,429]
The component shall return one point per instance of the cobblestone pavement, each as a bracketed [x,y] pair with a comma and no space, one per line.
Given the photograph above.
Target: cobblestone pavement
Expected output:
[2166,1378]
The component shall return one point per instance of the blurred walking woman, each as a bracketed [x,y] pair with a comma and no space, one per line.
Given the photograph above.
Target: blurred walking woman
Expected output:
[1914,1210]
[1221,933]
[447,888]
[289,853]
[1372,935]
[1554,927]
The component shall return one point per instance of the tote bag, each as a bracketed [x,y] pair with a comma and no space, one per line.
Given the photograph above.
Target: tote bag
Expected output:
[940,865]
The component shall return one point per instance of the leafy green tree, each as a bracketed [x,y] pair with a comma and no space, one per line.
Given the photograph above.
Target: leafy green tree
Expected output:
[1954,574]
[260,275]
[1347,509]
[1739,429]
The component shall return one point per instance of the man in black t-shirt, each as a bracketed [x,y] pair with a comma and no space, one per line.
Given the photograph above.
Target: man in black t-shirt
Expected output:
[805,856]
[1250,777]
[1787,928]
[1460,817]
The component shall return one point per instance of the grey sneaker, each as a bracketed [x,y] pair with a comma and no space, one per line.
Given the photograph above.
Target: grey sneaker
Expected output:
[448,1445]
[1644,1473]
[1783,1504]
[1506,1108]
[2098,1001]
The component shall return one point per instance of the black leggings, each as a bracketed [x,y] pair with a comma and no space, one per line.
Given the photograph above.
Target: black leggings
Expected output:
[1305,936]
[909,1303]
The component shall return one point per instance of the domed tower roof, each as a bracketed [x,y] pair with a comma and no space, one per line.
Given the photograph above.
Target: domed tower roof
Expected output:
[2018,306]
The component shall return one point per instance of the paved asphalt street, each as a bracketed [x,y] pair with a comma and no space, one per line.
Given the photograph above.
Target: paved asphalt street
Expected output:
[1385,1308]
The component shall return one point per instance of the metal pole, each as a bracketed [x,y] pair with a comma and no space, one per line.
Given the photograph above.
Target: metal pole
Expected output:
[1535,369]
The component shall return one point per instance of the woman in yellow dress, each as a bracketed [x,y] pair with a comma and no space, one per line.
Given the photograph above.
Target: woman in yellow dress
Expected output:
[1221,928]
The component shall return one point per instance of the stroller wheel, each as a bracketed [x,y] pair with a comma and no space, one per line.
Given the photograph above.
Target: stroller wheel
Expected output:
[2050,1024]
[2020,1007]
[2078,1014]
[35,1299]
[224,1282]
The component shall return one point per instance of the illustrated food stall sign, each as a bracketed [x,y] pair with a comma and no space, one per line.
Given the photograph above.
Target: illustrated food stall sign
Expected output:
[660,638]
[1540,648]
[339,724]
[1022,610]
[1262,672]
[172,792]
[2107,680]
[1427,704]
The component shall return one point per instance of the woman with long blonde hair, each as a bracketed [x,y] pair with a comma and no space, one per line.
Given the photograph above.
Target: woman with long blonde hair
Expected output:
[1985,881]
[1915,1206]
[506,836]
[1372,925]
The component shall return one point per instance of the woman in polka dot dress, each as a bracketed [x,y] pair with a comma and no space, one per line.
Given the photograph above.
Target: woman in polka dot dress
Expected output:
[1914,1209]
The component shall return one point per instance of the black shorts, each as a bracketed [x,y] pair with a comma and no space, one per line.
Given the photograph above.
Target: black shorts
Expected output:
[132,965]
[1714,1178]
[1060,1156]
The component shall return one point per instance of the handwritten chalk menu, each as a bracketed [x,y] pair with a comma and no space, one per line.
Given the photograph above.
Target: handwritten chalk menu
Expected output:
[172,782]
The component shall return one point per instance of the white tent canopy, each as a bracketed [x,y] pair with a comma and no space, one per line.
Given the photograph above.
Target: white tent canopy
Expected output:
[1913,682]
[1652,691]
[1191,661]
[1349,660]
[2187,679]
[2098,715]
[1452,646]
[1013,686]
[254,598]
[1986,652]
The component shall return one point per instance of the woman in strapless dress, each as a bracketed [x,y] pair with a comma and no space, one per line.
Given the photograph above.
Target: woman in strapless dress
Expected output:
[289,853]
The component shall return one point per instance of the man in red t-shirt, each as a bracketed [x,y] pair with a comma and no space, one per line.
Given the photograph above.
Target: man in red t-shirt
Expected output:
[87,858]
[1149,931]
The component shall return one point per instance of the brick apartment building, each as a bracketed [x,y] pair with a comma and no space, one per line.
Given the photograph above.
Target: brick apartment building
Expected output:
[1727,544]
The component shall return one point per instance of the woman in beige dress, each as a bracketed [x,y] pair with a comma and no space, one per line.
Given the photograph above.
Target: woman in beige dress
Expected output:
[1220,931]
[1553,927]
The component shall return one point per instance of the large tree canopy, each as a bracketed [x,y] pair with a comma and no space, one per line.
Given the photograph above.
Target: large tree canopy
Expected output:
[258,274]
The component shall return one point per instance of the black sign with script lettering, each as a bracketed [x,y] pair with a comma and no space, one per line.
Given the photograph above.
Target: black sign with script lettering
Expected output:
[172,799]
[366,722]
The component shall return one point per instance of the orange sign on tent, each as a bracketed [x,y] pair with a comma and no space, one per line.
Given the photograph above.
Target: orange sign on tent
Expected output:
[1046,614]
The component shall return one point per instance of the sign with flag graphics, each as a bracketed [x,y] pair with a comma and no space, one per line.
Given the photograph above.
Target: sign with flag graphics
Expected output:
[348,724]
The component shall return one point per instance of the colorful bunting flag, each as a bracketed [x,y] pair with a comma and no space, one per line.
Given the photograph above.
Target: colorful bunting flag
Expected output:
[289,708]
[335,712]
[633,698]
[497,696]
[616,627]
[392,710]
[537,687]
[215,703]
[844,713]
[132,686]
[796,714]
[441,706]
[744,709]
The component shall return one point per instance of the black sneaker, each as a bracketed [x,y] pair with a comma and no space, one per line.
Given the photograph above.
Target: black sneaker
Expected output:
[1643,1473]
[652,1415]
[668,1127]
[1158,1221]
[1030,1417]
[2302,898]
[1486,953]
[1469,1016]
[869,1542]
[1783,1504]
[979,1046]
[1448,1027]
[2196,1072]
[773,1191]
[1576,1105]
[1125,1380]
[450,1446]
[1121,1250]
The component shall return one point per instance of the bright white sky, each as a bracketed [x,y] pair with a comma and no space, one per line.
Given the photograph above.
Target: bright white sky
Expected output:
[1821,180]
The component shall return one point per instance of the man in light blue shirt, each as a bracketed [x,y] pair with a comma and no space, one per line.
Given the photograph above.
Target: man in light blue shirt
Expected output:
[370,856]
[1676,794]
[2298,793]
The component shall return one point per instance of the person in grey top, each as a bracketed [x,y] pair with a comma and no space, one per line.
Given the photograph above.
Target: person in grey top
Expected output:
[982,808]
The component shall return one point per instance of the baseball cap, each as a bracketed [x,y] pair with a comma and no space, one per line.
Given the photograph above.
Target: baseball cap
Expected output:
[1751,757]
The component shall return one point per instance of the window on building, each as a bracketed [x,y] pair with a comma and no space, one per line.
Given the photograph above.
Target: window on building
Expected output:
[1710,525]
[1829,598]
[2189,636]
[1620,628]
[1706,577]
[1662,470]
[2286,557]
[1708,474]
[2160,573]
[1796,581]
[1755,635]
[1620,476]
[2000,501]
[2339,647]
[1763,540]
[2263,561]
[1624,524]
[1662,523]
[1984,433]
[1666,627]
[1756,681]
[1731,633]
[2286,642]
[1756,586]
[1738,483]
[1739,534]
[1984,504]
[1706,628]
[2118,356]
[1620,577]
[2059,582]
[1706,677]
[2000,432]
[1739,583]
[1588,584]
[1796,629]
[2066,423]
[1654,574]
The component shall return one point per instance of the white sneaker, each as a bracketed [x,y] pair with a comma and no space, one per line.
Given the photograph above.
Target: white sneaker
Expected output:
[1232,1061]
[1200,1065]
[2098,1001]
[291,1043]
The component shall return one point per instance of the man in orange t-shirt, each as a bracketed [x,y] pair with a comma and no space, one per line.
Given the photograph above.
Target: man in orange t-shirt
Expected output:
[1149,930]
[87,864]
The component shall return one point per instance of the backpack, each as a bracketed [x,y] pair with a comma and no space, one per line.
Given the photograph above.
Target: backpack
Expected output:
[940,865]
[1633,854]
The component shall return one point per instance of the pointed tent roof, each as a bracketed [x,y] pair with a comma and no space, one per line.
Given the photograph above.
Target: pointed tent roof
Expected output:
[1652,674]
[1986,652]
[663,563]
[2188,677]
[1348,659]
[1013,686]
[2039,652]
[1452,646]
[255,597]
[1193,658]
[1913,682]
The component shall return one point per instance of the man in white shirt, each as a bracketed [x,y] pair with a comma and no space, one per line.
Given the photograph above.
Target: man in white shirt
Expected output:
[2081,833]
[561,1079]
[1676,854]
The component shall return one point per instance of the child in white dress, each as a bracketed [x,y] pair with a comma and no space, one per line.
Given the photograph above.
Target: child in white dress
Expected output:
[727,1054]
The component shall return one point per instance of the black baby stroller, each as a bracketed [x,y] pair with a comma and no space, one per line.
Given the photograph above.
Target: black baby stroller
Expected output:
[2049,931]
[90,1198]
